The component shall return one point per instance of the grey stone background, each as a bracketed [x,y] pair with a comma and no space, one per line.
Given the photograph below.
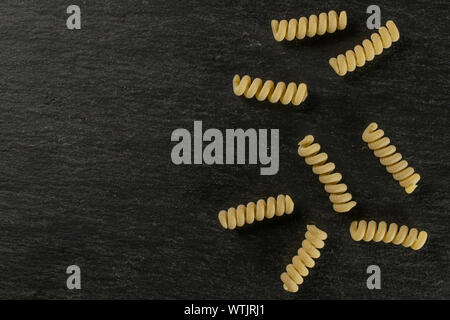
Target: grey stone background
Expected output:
[85,170]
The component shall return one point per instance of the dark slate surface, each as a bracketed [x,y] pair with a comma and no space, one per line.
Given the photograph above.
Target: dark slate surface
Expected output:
[86,174]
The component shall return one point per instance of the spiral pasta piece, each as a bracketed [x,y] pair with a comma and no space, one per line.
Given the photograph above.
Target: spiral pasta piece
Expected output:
[241,215]
[409,238]
[291,93]
[357,57]
[389,158]
[341,199]
[309,27]
[298,269]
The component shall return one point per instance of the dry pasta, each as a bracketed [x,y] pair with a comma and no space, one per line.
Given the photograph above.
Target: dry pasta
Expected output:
[292,93]
[237,217]
[298,269]
[357,57]
[389,158]
[309,27]
[341,199]
[409,238]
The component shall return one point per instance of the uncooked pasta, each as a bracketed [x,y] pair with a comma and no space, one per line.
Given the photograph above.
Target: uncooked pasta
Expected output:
[309,27]
[341,199]
[409,238]
[298,269]
[357,57]
[262,209]
[292,93]
[392,160]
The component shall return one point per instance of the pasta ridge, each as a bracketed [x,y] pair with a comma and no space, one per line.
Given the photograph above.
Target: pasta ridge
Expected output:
[341,199]
[409,238]
[309,27]
[298,269]
[247,214]
[357,57]
[292,93]
[389,158]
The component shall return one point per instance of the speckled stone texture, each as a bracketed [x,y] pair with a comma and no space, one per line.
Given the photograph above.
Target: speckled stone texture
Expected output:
[86,175]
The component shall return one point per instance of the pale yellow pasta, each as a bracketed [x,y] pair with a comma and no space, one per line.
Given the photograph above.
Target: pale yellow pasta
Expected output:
[357,57]
[389,158]
[341,199]
[298,269]
[292,93]
[304,27]
[237,217]
[409,238]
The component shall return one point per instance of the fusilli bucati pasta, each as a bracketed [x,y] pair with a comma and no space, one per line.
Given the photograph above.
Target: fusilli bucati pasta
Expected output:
[292,93]
[341,199]
[309,27]
[357,57]
[409,238]
[389,158]
[237,217]
[298,269]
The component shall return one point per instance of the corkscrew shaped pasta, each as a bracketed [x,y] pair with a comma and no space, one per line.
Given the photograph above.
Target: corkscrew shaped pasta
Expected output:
[341,199]
[389,158]
[309,27]
[293,93]
[298,269]
[241,215]
[370,231]
[357,57]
